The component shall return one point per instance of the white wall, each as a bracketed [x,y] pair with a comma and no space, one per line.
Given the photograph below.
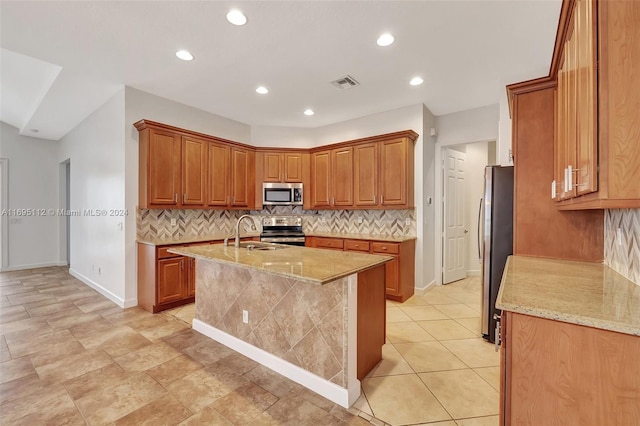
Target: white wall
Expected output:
[282,137]
[32,184]
[141,105]
[474,125]
[95,149]
[477,160]
[503,147]
[428,233]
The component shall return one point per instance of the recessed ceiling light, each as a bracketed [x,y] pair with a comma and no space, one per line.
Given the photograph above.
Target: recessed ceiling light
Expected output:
[416,81]
[262,90]
[308,112]
[236,17]
[184,55]
[385,39]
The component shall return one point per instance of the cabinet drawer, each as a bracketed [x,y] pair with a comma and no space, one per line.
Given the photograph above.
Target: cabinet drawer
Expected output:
[392,248]
[163,252]
[356,245]
[332,243]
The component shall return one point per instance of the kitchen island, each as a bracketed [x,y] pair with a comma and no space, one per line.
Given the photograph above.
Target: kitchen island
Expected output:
[315,316]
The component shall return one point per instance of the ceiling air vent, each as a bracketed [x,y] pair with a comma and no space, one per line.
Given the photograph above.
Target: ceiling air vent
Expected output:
[346,82]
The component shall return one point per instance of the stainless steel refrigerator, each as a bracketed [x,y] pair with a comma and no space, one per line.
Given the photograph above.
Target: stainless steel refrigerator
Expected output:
[495,239]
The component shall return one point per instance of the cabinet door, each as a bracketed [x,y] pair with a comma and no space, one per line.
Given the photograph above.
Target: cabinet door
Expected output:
[194,171]
[218,187]
[365,182]
[394,159]
[586,177]
[391,272]
[292,167]
[171,279]
[164,168]
[342,176]
[272,166]
[321,179]
[241,177]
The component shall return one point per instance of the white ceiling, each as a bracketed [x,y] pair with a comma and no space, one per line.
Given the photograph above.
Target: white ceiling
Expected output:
[61,60]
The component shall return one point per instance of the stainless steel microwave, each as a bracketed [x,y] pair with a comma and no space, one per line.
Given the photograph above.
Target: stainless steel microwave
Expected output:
[281,194]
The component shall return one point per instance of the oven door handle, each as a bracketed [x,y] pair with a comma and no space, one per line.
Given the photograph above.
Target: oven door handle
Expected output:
[282,239]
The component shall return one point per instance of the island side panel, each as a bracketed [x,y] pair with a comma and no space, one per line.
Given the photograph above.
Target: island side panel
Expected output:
[300,322]
[371,318]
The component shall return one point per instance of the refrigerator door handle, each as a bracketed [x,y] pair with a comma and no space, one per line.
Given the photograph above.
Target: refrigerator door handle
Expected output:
[480,233]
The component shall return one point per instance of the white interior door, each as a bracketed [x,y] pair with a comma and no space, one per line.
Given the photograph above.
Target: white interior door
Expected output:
[454,233]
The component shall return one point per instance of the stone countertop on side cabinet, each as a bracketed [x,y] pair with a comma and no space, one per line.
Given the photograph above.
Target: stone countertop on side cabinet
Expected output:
[189,239]
[303,263]
[370,237]
[589,294]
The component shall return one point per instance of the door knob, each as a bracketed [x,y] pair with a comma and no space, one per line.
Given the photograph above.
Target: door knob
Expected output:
[466,232]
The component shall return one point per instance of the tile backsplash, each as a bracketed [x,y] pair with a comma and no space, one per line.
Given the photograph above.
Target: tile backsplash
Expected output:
[624,255]
[156,224]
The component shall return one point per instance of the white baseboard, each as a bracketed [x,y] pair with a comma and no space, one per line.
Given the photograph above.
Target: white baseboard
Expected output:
[327,389]
[473,273]
[422,291]
[103,291]
[32,266]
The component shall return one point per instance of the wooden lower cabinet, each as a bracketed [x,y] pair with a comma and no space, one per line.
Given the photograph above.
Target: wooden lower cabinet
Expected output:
[399,272]
[554,372]
[165,280]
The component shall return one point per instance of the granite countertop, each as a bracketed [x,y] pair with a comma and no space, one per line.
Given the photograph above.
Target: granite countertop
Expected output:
[584,293]
[187,239]
[303,263]
[370,237]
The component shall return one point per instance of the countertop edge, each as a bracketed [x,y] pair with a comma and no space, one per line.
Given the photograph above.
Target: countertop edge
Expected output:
[556,315]
[283,274]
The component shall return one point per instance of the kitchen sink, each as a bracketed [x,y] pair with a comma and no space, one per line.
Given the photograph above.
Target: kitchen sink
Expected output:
[253,245]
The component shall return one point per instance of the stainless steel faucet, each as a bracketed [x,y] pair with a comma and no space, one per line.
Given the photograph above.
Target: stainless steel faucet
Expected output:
[237,241]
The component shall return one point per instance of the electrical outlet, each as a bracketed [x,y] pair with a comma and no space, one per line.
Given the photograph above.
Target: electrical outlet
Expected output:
[407,221]
[173,222]
[619,236]
[359,219]
[245,316]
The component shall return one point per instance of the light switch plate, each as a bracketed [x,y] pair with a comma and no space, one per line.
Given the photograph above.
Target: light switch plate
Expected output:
[407,221]
[359,219]
[619,236]
[173,222]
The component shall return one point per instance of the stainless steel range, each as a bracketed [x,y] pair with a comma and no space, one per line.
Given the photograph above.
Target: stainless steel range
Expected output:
[282,230]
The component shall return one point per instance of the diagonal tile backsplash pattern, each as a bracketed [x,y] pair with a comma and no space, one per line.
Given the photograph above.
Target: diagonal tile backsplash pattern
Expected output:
[624,255]
[156,224]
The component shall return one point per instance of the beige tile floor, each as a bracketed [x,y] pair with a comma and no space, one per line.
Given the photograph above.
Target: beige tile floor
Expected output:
[70,356]
[435,368]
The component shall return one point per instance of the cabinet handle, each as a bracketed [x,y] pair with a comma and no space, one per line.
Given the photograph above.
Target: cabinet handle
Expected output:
[184,198]
[175,197]
[382,199]
[182,264]
[374,199]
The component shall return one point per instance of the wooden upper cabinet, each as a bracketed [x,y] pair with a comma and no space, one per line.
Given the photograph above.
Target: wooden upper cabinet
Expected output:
[597,155]
[194,171]
[365,180]
[321,179]
[183,169]
[219,176]
[396,172]
[293,166]
[342,176]
[242,177]
[272,167]
[285,167]
[368,173]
